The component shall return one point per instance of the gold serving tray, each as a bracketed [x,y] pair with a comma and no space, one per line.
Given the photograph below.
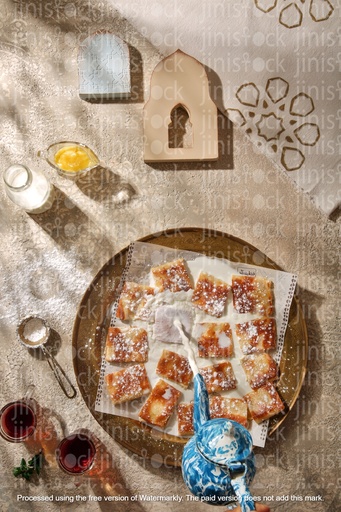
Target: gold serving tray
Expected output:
[93,319]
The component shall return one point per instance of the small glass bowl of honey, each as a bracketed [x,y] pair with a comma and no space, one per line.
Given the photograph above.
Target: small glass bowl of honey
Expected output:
[70,159]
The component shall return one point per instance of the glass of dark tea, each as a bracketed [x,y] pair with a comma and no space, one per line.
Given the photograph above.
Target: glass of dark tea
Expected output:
[76,453]
[18,419]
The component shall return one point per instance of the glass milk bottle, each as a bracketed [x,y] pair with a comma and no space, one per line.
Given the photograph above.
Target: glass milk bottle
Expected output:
[28,189]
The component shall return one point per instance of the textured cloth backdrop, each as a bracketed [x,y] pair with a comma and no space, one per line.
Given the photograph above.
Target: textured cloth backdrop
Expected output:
[278,63]
[48,261]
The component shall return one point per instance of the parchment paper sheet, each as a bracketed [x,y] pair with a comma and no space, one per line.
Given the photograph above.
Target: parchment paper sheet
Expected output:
[143,256]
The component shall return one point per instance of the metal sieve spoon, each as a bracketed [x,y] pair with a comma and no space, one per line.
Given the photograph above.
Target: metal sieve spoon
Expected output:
[34,332]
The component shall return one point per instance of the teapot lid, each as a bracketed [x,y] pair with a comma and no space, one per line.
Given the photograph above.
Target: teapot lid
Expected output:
[224,441]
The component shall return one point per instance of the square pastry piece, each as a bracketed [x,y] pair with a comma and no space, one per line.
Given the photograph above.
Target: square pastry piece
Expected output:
[126,345]
[252,295]
[264,403]
[219,377]
[210,294]
[175,367]
[232,408]
[128,384]
[133,300]
[172,276]
[259,369]
[214,340]
[257,335]
[160,404]
[185,419]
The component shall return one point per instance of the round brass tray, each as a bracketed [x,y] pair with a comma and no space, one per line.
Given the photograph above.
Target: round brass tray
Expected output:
[94,316]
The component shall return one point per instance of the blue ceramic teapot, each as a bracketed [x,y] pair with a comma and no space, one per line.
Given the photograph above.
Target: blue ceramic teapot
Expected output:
[217,462]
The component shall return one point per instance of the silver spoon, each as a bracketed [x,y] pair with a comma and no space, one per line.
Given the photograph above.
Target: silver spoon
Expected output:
[34,332]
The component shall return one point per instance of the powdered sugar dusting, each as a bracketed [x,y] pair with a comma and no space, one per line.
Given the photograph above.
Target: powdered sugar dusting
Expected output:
[223,340]
[167,395]
[218,338]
